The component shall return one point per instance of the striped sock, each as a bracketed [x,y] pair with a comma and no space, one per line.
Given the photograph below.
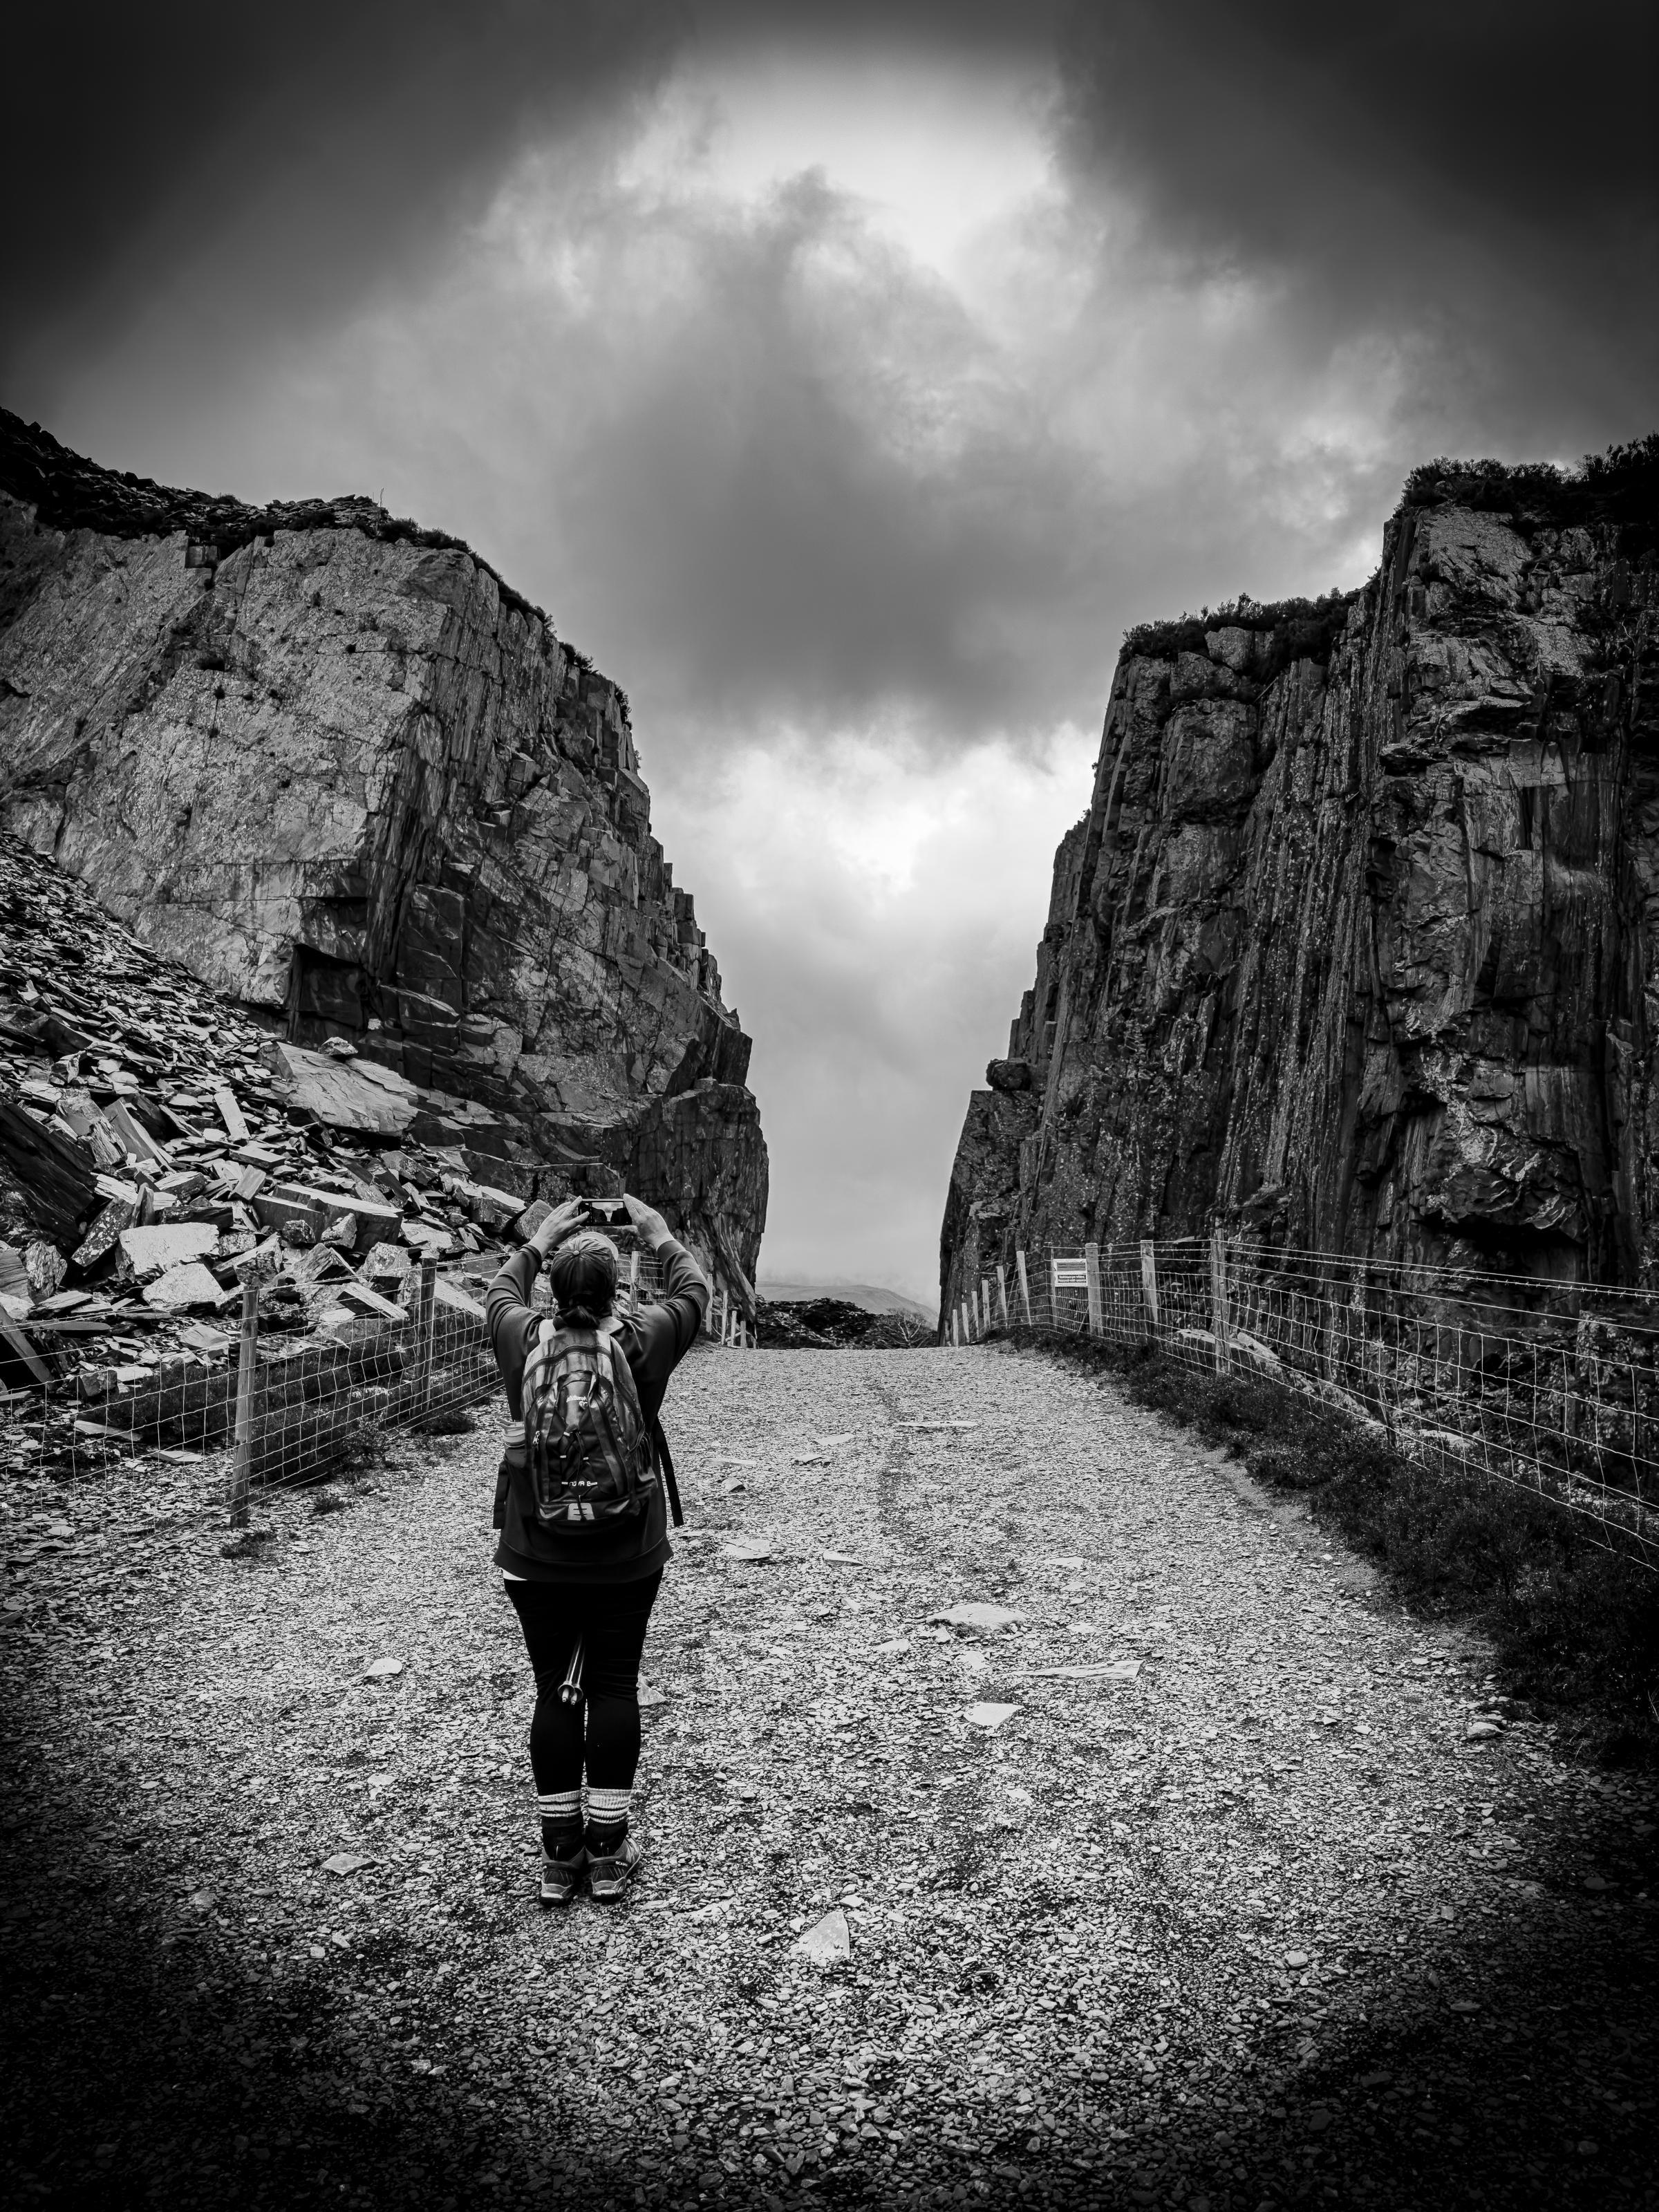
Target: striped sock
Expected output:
[561,1821]
[607,1817]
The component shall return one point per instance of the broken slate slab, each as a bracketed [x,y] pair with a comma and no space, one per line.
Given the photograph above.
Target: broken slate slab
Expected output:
[118,1214]
[181,1288]
[494,1209]
[372,1219]
[166,1245]
[358,1298]
[230,1113]
[358,1095]
[750,1549]
[454,1299]
[208,1341]
[261,1260]
[827,1941]
[428,1239]
[989,1716]
[135,1137]
[975,1619]
[386,1263]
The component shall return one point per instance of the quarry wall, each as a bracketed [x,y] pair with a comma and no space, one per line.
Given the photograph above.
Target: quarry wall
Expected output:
[1356,946]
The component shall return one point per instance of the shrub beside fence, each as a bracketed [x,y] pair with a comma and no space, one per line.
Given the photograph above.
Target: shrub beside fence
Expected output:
[1553,1386]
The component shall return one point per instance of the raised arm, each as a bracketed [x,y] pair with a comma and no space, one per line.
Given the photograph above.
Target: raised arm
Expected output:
[683,1293]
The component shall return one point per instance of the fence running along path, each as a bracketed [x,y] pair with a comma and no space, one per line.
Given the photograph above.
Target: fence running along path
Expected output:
[274,1409]
[1550,1387]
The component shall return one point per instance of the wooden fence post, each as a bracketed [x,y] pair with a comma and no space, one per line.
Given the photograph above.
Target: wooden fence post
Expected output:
[241,1464]
[985,1305]
[1024,1287]
[967,1324]
[428,1327]
[1219,1323]
[1091,1268]
[634,1280]
[1002,1291]
[1149,1283]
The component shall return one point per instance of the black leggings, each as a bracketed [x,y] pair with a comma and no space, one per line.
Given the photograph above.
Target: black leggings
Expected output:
[611,1618]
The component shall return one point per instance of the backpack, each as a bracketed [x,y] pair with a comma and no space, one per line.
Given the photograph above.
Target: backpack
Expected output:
[587,1450]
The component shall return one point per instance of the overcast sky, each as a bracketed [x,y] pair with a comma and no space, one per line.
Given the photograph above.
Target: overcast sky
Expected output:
[844,380]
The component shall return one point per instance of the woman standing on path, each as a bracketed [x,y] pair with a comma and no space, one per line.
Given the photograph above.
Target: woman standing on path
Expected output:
[592,1585]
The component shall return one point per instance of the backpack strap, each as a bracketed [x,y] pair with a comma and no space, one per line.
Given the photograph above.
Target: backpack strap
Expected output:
[665,1464]
[611,1333]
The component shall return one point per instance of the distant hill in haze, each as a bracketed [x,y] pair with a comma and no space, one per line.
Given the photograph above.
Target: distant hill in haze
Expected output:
[870,1296]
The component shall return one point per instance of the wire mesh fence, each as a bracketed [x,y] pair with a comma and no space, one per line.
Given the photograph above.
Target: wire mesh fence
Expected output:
[286,1396]
[1552,1387]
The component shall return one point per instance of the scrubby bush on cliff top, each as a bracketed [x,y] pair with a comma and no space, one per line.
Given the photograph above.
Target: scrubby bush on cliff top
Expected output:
[1620,486]
[1309,625]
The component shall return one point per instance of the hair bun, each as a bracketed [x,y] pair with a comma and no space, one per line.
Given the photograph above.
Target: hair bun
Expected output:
[582,1277]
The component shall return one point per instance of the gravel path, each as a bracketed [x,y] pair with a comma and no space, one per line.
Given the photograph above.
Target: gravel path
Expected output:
[1254,1920]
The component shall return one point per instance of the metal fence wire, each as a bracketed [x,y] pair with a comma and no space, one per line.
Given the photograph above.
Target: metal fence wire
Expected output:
[1550,1387]
[285,1396]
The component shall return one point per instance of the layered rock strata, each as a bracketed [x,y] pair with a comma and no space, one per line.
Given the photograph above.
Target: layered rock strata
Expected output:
[1357,946]
[332,763]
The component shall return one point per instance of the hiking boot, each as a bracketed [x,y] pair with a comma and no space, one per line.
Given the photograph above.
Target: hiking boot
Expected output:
[609,1876]
[562,1878]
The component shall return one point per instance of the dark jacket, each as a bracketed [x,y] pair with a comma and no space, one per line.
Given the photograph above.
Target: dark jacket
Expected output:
[655,1340]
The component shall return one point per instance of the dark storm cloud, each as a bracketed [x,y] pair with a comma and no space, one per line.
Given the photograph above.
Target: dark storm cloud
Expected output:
[306,148]
[1508,145]
[768,521]
[1485,173]
[322,142]
[1470,186]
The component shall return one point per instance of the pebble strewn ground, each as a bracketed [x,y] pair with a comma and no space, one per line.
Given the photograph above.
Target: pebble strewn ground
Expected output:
[1262,1923]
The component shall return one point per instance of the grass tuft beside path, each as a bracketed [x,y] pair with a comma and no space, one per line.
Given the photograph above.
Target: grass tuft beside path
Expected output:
[1575,1629]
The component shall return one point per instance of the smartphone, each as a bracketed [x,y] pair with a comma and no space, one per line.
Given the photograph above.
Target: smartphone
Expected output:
[606,1213]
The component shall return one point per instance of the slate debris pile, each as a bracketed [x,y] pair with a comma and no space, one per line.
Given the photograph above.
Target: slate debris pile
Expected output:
[159,1145]
[821,1324]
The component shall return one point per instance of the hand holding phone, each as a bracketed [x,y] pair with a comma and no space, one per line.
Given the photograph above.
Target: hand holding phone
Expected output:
[606,1212]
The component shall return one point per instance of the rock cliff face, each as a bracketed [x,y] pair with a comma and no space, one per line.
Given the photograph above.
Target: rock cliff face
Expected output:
[332,763]
[1357,947]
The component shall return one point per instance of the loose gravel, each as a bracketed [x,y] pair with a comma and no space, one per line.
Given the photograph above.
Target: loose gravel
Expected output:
[1278,1907]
